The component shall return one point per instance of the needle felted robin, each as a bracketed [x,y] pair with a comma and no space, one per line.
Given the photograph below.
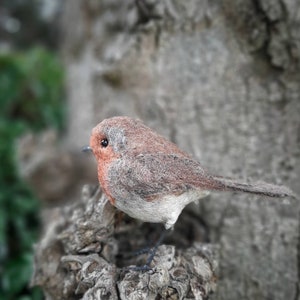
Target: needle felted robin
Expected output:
[150,178]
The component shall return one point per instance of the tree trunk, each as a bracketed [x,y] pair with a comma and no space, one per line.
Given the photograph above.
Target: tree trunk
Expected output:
[220,79]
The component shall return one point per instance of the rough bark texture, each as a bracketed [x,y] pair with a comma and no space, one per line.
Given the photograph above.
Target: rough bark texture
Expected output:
[220,79]
[78,255]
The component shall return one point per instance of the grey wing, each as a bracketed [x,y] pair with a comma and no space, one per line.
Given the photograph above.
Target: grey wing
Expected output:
[157,174]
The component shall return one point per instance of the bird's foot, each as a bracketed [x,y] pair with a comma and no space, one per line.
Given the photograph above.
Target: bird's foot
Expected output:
[150,251]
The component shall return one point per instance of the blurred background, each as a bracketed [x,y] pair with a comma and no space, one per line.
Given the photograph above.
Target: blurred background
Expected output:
[32,99]
[220,79]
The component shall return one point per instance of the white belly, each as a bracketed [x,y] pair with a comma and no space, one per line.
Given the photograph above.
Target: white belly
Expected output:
[165,210]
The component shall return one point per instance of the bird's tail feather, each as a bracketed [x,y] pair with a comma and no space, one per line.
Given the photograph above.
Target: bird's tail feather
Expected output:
[260,188]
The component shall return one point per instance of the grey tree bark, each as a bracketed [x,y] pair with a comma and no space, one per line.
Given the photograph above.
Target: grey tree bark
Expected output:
[220,79]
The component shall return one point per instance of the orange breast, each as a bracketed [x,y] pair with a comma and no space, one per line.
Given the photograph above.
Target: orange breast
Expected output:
[104,163]
[104,181]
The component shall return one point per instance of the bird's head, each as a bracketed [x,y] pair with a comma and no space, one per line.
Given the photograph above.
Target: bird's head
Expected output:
[118,136]
[113,137]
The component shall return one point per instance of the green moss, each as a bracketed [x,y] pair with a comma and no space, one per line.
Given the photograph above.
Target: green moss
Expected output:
[31,98]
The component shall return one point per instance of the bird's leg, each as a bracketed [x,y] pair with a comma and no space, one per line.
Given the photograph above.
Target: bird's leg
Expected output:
[151,252]
[157,244]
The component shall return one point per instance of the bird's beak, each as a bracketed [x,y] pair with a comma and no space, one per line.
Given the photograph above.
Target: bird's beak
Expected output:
[87,149]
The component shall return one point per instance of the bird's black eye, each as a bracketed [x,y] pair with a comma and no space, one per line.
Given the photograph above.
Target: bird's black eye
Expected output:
[104,143]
